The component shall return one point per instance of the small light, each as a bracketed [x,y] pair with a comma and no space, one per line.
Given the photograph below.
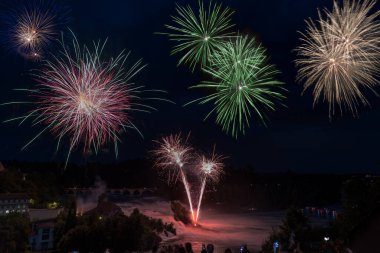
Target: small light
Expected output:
[326,239]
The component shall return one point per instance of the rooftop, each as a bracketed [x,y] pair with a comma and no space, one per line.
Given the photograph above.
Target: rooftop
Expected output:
[43,214]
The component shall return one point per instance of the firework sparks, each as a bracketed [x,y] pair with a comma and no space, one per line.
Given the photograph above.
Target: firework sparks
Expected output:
[172,154]
[244,85]
[32,26]
[340,55]
[209,169]
[85,98]
[199,36]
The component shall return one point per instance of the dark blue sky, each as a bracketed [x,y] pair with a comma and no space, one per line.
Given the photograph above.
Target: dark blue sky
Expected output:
[297,138]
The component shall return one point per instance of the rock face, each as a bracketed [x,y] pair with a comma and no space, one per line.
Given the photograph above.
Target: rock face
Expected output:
[180,212]
[105,208]
[2,168]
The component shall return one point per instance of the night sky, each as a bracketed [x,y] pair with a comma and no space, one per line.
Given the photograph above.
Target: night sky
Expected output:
[297,138]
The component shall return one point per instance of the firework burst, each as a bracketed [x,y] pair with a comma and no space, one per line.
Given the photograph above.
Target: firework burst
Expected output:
[244,85]
[85,98]
[209,168]
[199,35]
[172,154]
[31,26]
[339,55]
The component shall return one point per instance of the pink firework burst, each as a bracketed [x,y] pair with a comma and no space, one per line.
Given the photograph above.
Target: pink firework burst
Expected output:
[86,98]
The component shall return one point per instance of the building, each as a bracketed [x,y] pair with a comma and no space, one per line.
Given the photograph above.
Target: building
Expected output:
[13,203]
[42,237]
[43,222]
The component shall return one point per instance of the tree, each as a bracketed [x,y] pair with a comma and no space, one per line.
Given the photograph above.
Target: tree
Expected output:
[361,201]
[118,233]
[66,220]
[14,233]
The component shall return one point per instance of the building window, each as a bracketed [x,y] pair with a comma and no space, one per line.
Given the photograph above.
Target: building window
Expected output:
[45,234]
[44,245]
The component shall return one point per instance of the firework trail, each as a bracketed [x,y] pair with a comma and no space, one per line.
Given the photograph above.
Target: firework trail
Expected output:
[85,98]
[339,55]
[198,36]
[209,169]
[31,26]
[172,154]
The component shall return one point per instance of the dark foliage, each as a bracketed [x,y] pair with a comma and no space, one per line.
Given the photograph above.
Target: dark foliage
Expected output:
[361,203]
[118,233]
[14,233]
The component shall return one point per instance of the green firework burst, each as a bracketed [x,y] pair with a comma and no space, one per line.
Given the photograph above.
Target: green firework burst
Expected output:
[243,85]
[199,35]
